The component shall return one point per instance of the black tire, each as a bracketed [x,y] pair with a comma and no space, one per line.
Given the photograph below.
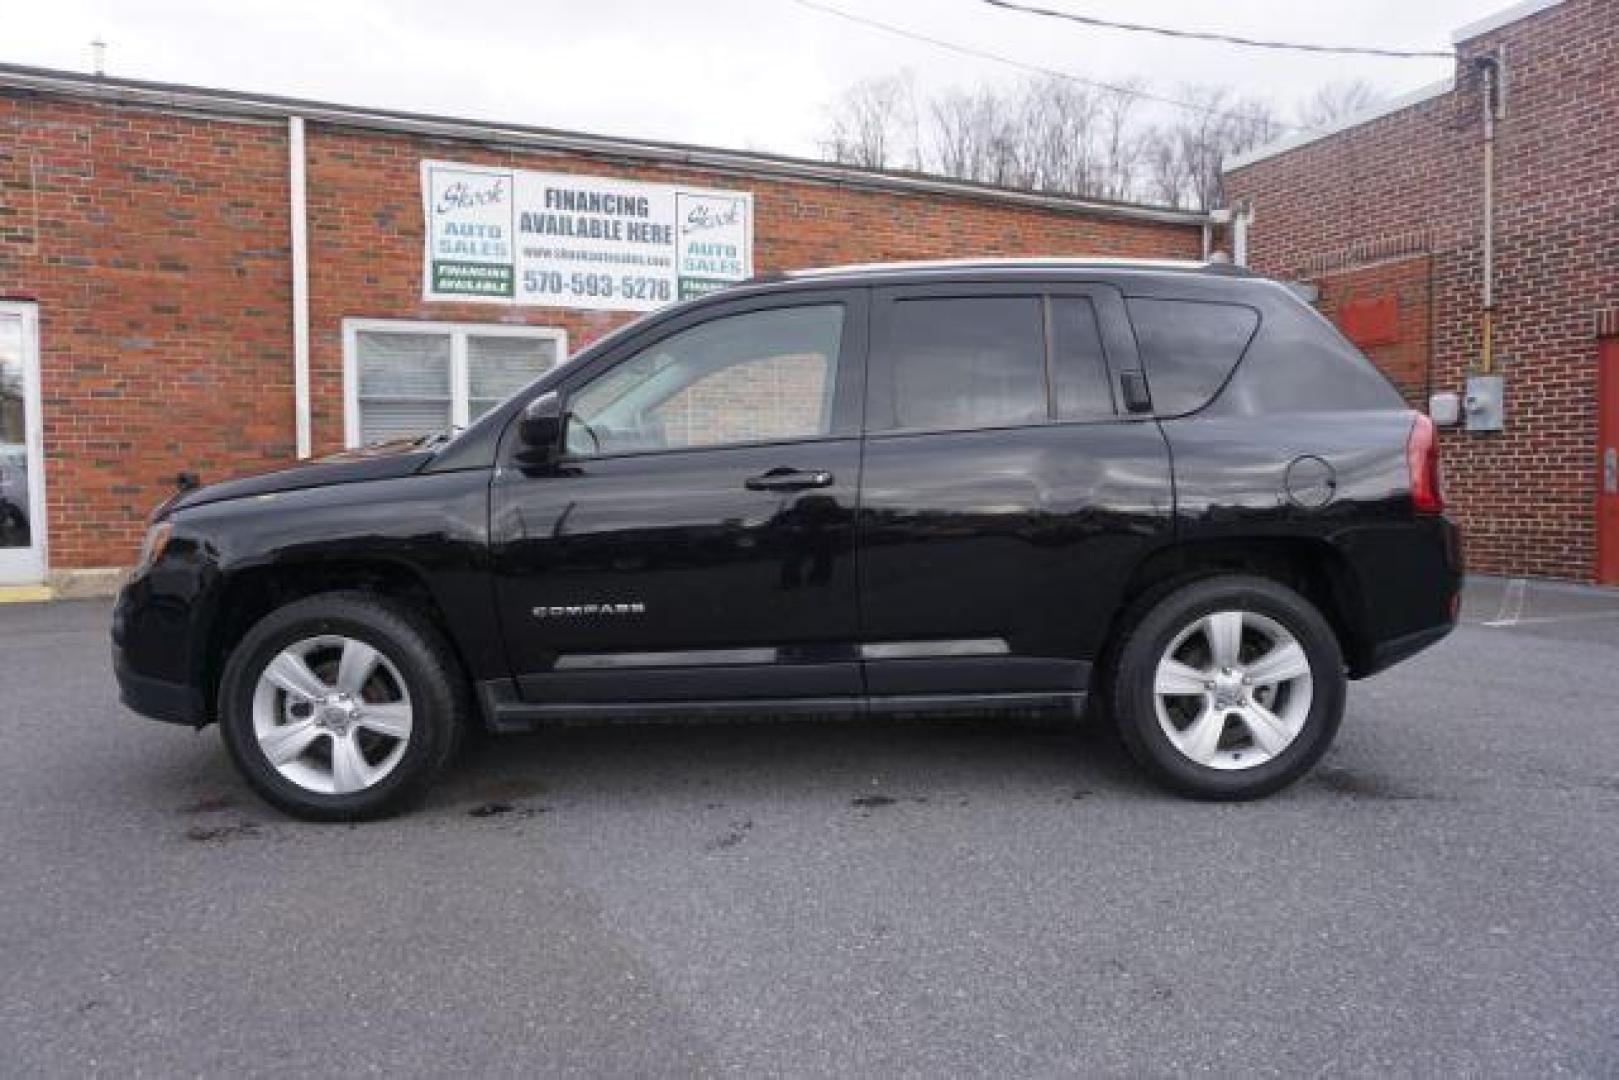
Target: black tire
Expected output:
[1156,625]
[437,687]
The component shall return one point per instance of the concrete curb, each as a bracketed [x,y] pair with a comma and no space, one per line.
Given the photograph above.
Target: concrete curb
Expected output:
[26,594]
[96,584]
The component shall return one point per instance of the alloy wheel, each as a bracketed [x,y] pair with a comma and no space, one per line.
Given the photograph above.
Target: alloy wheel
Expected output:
[332,714]
[1232,690]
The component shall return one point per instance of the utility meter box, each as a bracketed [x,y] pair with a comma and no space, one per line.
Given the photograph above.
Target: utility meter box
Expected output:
[1445,409]
[1485,403]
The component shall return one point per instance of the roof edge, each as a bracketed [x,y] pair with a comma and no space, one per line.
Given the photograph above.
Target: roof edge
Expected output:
[1504,17]
[1305,138]
[234,103]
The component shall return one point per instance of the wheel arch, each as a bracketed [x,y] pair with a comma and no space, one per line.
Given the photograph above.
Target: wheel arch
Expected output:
[245,596]
[1311,566]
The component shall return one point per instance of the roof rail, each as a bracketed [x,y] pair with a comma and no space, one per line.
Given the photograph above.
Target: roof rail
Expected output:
[1033,263]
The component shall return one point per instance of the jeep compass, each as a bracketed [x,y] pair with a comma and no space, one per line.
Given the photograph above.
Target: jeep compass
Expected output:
[1171,496]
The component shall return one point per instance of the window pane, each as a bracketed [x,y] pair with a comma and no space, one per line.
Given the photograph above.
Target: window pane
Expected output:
[745,378]
[967,362]
[403,364]
[14,528]
[500,365]
[1079,368]
[404,384]
[1189,348]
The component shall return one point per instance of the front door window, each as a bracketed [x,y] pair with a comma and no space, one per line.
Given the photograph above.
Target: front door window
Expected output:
[766,376]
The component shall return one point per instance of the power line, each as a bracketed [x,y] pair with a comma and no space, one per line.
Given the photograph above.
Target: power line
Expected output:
[1226,39]
[984,54]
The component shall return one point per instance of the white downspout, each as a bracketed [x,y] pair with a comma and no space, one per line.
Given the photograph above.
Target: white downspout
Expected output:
[1491,70]
[300,286]
[1220,215]
[1239,233]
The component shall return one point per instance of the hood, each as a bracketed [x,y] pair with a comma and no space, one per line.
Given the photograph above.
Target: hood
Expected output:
[384,461]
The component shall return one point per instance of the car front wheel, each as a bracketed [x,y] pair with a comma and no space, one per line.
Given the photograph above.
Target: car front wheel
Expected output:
[342,706]
[1229,687]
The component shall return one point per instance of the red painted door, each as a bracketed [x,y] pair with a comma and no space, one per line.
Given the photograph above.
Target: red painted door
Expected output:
[1608,463]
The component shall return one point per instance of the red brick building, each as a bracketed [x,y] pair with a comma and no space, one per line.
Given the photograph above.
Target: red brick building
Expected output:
[216,282]
[1386,216]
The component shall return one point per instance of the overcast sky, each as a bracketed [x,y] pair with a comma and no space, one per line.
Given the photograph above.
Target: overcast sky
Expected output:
[739,73]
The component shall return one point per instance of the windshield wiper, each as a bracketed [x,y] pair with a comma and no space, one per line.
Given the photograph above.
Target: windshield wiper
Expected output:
[437,438]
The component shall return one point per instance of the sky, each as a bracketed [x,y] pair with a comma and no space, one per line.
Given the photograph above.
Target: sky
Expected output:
[750,74]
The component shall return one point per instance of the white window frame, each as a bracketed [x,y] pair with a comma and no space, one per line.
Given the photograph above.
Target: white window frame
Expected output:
[460,375]
[28,566]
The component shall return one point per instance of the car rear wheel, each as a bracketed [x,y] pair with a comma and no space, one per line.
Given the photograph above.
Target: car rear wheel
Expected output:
[342,706]
[1229,687]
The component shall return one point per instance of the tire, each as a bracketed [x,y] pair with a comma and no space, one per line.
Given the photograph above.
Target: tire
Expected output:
[1227,731]
[371,734]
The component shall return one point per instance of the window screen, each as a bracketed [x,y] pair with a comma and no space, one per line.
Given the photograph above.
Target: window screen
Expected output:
[967,362]
[1079,374]
[404,384]
[1189,348]
[499,366]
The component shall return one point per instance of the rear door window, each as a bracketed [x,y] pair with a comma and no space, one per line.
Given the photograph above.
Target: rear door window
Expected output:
[958,362]
[1189,348]
[1079,375]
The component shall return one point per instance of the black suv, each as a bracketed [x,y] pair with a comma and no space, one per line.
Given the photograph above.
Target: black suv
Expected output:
[1170,491]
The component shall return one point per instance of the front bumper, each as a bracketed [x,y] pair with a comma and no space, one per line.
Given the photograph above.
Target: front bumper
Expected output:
[175,703]
[148,694]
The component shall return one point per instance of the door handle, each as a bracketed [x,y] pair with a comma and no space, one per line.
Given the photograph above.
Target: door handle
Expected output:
[785,479]
[1610,470]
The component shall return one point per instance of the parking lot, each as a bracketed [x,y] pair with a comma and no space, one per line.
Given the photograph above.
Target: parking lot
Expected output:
[957,898]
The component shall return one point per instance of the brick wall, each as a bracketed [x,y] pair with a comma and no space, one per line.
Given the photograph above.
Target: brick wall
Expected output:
[1410,184]
[1384,308]
[156,244]
[156,247]
[366,242]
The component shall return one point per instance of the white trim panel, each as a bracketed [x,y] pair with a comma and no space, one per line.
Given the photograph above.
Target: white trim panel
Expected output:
[1504,17]
[459,379]
[297,186]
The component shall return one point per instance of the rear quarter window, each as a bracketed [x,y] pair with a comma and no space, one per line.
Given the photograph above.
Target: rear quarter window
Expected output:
[1189,348]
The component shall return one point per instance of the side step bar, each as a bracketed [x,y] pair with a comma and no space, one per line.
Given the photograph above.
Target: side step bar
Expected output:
[502,712]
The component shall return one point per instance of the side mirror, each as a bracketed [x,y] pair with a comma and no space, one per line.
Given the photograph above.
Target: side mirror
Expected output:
[541,425]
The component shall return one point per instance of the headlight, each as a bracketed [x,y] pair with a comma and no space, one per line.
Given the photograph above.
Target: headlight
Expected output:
[157,538]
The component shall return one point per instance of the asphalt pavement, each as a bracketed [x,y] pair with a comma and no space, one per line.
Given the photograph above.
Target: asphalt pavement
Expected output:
[963,898]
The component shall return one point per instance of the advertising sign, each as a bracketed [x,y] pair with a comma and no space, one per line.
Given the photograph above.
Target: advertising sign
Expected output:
[517,237]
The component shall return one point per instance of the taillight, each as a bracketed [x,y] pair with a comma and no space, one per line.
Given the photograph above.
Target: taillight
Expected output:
[1422,459]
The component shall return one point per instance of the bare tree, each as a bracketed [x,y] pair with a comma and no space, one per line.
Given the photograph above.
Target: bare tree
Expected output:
[1337,101]
[1168,179]
[1185,155]
[1057,144]
[1062,136]
[968,136]
[1121,145]
[874,125]
[1041,137]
